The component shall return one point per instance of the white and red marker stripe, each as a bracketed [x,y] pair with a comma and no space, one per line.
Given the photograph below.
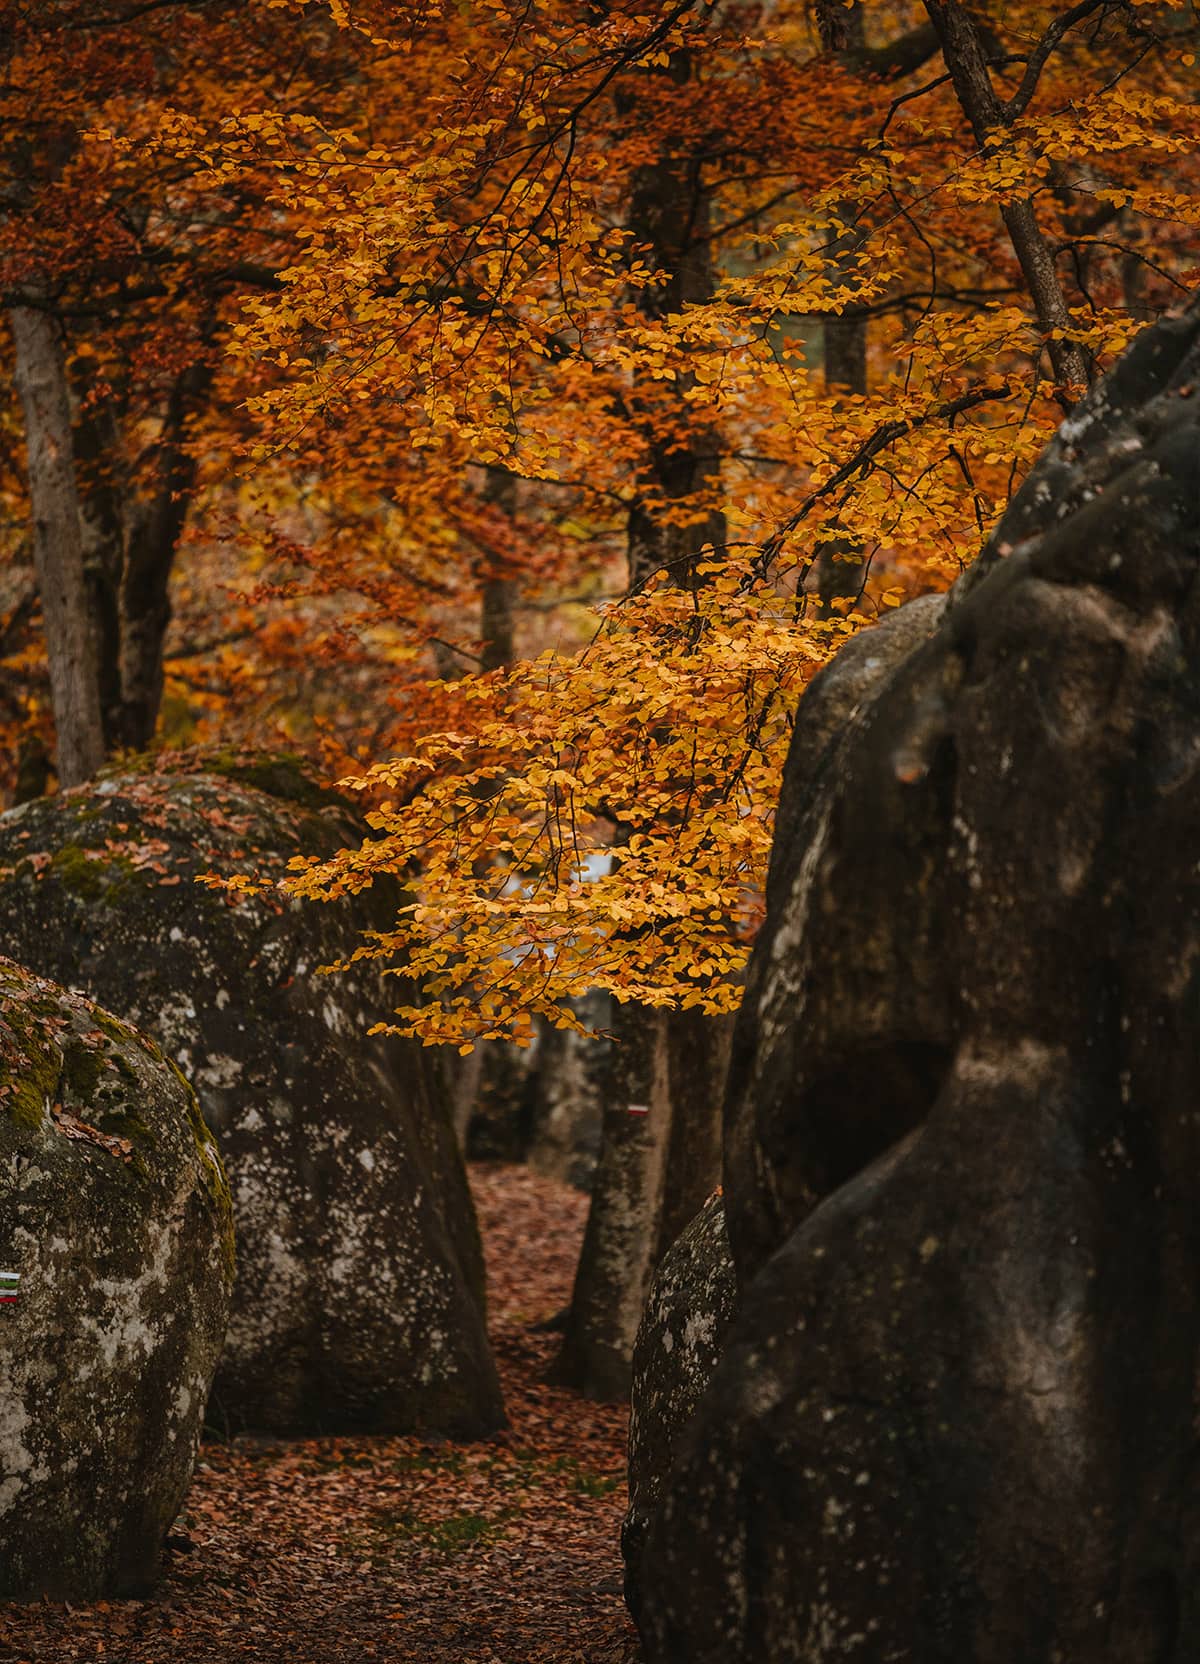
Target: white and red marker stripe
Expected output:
[10,1286]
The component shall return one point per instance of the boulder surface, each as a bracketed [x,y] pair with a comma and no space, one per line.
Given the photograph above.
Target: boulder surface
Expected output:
[116,1237]
[358,1305]
[955,1418]
[688,1311]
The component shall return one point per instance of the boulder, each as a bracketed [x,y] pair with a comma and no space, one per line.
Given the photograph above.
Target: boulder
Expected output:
[359,1298]
[833,709]
[116,1248]
[679,1340]
[955,1416]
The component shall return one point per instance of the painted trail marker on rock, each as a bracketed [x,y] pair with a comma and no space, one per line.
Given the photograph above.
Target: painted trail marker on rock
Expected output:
[10,1286]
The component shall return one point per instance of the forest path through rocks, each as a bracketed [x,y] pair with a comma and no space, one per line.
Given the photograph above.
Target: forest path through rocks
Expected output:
[399,1551]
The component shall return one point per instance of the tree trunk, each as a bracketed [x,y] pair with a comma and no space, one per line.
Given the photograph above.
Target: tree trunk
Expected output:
[154,528]
[839,572]
[41,378]
[659,1162]
[842,28]
[99,474]
[660,1151]
[967,63]
[497,588]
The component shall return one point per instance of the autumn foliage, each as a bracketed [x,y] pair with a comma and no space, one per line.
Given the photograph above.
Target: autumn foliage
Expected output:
[551,388]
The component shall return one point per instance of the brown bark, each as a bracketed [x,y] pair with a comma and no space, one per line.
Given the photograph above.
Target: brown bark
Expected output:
[671,210]
[659,1162]
[498,589]
[838,572]
[98,455]
[41,380]
[153,530]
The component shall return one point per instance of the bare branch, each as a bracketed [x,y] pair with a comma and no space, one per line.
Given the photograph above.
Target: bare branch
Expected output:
[1061,26]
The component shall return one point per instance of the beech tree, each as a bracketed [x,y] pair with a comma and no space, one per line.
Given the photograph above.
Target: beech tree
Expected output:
[519,338]
[121,273]
[738,323]
[661,1149]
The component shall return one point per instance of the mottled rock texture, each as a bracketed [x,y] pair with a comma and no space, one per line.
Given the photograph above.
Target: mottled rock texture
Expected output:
[359,1297]
[955,1419]
[115,1215]
[688,1311]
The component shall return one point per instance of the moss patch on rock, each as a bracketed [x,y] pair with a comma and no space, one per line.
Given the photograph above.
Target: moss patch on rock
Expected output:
[94,875]
[283,775]
[30,1061]
[117,1227]
[358,1302]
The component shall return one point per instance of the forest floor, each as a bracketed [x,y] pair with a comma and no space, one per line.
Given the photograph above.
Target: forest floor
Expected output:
[335,1551]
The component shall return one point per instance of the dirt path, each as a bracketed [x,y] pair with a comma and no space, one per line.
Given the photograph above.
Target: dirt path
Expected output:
[339,1550]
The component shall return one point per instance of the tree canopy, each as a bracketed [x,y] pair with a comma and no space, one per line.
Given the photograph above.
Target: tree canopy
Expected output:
[517,404]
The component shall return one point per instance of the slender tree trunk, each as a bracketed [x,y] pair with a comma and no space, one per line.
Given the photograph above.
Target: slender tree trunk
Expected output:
[153,531]
[496,623]
[623,1228]
[100,482]
[496,598]
[966,60]
[660,1151]
[490,1086]
[842,29]
[41,378]
[839,572]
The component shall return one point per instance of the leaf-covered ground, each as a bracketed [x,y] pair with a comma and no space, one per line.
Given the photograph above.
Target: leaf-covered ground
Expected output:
[333,1551]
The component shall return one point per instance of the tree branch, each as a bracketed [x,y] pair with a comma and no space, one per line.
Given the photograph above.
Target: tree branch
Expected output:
[1061,26]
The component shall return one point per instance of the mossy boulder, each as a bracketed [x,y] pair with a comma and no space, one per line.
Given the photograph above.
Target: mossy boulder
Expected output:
[359,1296]
[955,1417]
[115,1216]
[688,1311]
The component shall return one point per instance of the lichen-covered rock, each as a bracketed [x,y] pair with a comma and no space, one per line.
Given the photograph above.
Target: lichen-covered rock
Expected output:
[955,1418]
[115,1218]
[359,1297]
[688,1311]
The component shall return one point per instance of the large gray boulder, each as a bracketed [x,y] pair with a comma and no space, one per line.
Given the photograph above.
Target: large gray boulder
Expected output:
[955,1418]
[359,1296]
[679,1341]
[115,1217]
